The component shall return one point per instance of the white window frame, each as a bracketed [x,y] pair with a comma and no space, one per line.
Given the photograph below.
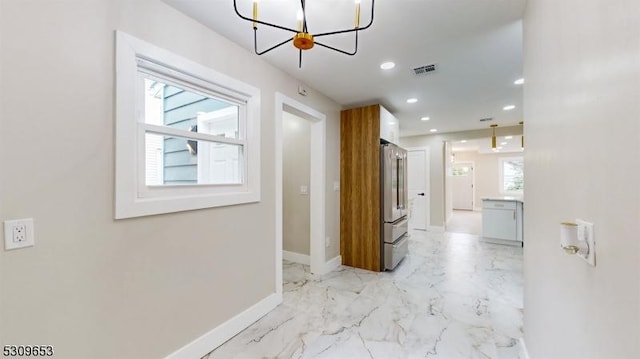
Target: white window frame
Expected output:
[133,198]
[501,161]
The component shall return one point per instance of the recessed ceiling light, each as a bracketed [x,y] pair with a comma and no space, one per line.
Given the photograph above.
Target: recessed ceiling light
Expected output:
[387,65]
[412,100]
[392,123]
[463,141]
[509,108]
[426,118]
[508,137]
[503,143]
[518,81]
[433,130]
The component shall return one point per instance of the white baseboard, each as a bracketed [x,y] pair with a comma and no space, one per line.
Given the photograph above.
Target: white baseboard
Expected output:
[524,354]
[227,330]
[436,229]
[296,257]
[477,209]
[332,264]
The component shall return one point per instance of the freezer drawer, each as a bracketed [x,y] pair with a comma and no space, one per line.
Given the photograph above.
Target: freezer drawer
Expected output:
[395,252]
[395,230]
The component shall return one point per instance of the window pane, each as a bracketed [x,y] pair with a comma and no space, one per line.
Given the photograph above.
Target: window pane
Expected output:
[461,171]
[176,107]
[174,160]
[513,175]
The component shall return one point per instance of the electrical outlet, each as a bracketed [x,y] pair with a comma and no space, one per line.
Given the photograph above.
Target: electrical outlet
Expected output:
[18,233]
[327,242]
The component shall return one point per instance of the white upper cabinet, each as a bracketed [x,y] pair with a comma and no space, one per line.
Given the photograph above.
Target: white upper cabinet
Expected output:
[389,127]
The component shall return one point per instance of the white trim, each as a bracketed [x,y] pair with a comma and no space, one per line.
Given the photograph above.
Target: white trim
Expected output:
[227,330]
[278,192]
[316,186]
[435,229]
[332,264]
[296,257]
[524,353]
[130,130]
[477,209]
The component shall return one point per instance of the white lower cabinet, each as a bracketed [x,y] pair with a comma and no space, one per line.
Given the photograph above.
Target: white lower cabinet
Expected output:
[502,221]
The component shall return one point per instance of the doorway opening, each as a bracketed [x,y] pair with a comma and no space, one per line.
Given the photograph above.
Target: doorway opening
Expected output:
[474,171]
[307,193]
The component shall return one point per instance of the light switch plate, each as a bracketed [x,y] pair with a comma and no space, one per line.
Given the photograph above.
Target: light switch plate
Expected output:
[304,190]
[585,231]
[18,233]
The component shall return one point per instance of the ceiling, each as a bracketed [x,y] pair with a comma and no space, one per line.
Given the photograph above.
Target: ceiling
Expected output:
[505,144]
[476,45]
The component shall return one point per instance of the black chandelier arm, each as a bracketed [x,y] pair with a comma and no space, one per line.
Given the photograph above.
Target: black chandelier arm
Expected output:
[255,43]
[235,7]
[348,30]
[341,51]
[300,59]
[304,16]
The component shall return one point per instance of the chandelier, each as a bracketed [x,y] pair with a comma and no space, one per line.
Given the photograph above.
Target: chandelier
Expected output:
[302,38]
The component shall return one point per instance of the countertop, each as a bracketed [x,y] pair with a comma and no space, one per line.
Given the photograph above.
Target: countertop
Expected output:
[505,198]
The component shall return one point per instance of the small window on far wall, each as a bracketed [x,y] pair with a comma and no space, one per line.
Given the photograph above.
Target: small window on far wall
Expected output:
[187,137]
[460,171]
[511,175]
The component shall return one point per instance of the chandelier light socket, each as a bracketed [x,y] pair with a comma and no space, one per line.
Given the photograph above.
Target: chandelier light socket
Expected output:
[303,41]
[255,13]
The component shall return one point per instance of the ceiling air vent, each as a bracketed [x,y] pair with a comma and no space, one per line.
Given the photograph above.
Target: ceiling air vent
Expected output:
[423,70]
[486,119]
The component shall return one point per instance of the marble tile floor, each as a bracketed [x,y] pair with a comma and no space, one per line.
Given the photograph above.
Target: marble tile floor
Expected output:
[451,297]
[465,222]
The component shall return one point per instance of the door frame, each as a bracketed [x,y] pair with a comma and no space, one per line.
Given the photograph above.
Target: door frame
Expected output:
[427,180]
[316,186]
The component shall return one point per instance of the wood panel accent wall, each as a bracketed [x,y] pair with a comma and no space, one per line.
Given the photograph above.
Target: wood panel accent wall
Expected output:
[360,187]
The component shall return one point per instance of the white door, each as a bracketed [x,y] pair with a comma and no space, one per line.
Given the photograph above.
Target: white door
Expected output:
[418,183]
[462,186]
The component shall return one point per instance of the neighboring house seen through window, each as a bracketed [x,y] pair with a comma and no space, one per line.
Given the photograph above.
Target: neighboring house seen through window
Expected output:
[511,175]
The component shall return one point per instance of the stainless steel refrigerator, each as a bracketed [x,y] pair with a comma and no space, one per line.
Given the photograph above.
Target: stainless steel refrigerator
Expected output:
[394,239]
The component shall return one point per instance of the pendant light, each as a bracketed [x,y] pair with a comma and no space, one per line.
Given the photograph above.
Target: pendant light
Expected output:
[522,138]
[494,141]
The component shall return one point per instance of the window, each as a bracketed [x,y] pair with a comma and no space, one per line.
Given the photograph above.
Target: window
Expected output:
[460,170]
[187,137]
[511,175]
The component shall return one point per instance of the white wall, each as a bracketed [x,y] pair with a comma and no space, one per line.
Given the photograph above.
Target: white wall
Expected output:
[296,154]
[582,118]
[435,143]
[138,288]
